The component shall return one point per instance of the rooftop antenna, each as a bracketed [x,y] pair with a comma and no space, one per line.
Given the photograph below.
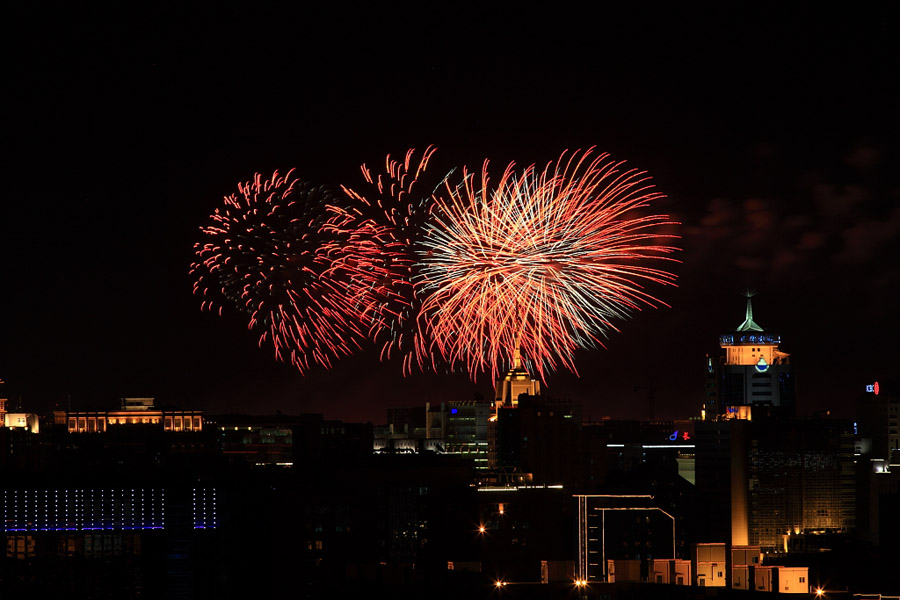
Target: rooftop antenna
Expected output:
[749,324]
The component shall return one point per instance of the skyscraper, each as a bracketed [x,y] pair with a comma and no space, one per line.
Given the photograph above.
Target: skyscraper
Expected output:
[752,372]
[531,437]
[768,474]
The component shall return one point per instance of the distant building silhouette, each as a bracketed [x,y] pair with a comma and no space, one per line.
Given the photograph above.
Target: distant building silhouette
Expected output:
[622,527]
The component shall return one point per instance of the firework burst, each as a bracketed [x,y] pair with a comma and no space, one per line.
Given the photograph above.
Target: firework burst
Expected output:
[542,261]
[379,229]
[265,254]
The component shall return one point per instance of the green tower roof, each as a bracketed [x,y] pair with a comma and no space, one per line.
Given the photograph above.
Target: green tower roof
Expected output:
[749,324]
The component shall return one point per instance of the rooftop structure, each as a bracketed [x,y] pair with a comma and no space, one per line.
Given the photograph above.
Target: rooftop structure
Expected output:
[516,382]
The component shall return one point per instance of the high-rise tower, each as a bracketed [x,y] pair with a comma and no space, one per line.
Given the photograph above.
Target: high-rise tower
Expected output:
[504,426]
[516,382]
[753,371]
[531,437]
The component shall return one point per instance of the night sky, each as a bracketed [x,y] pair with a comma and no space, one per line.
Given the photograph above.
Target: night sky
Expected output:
[772,134]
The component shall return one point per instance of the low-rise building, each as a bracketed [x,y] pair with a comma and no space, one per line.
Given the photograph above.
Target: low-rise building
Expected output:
[709,564]
[671,570]
[134,411]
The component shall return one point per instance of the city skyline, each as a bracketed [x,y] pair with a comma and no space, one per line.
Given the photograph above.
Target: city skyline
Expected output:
[771,138]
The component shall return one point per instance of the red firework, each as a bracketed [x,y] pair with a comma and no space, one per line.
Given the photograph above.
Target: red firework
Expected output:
[544,262]
[378,231]
[265,254]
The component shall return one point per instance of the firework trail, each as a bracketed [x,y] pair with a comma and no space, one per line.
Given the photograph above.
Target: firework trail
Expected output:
[265,254]
[379,230]
[542,261]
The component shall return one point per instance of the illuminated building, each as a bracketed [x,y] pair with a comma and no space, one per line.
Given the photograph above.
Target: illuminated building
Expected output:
[721,480]
[515,383]
[414,429]
[743,560]
[84,538]
[134,411]
[708,561]
[27,421]
[467,431]
[671,570]
[255,441]
[503,427]
[766,482]
[752,372]
[766,475]
[458,427]
[784,580]
[19,439]
[801,481]
[19,420]
[532,438]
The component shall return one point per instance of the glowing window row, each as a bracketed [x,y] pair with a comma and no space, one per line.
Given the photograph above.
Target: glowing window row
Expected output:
[99,509]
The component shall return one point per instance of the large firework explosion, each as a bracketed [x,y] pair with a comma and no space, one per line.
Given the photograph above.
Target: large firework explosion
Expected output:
[379,229]
[542,261]
[265,254]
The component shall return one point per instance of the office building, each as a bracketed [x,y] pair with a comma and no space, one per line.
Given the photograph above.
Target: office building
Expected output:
[765,475]
[467,431]
[752,372]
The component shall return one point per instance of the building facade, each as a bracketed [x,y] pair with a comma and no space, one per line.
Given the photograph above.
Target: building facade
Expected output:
[134,411]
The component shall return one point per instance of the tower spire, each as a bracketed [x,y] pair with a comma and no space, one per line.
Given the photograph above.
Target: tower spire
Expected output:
[749,324]
[517,359]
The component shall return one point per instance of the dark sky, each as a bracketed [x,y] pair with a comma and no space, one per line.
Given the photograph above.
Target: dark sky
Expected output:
[773,135]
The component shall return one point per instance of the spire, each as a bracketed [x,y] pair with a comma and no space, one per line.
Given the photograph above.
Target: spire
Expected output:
[749,324]
[517,359]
